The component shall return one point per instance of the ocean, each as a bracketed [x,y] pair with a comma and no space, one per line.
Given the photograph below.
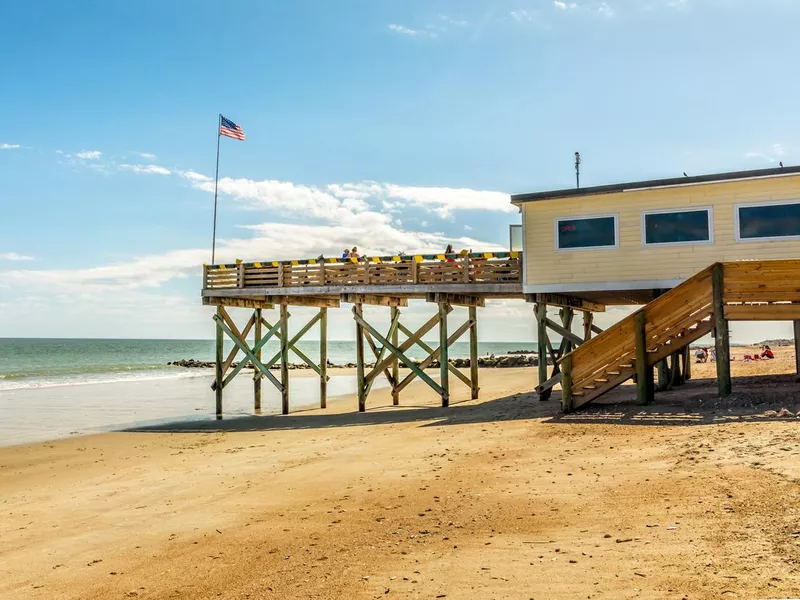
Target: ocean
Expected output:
[57,388]
[45,363]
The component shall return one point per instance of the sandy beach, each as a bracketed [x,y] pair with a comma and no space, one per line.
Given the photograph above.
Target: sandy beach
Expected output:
[501,498]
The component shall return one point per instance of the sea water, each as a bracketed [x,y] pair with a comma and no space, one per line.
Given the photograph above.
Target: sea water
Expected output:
[38,363]
[55,388]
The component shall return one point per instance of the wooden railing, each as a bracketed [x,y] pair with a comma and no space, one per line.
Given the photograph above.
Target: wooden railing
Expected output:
[668,314]
[486,267]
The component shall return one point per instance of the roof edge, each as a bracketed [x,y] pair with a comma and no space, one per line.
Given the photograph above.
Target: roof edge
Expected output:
[518,199]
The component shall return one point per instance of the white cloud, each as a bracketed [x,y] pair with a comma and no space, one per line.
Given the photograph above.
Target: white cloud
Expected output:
[9,146]
[772,156]
[14,256]
[778,149]
[337,200]
[146,155]
[146,169]
[565,5]
[467,228]
[89,154]
[453,22]
[407,31]
[192,176]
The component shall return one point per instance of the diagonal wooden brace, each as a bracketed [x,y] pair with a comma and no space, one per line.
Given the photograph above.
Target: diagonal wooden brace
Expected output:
[249,354]
[412,339]
[379,354]
[434,354]
[400,355]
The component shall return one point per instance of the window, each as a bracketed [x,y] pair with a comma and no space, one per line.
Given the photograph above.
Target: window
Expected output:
[583,233]
[677,227]
[768,221]
[515,238]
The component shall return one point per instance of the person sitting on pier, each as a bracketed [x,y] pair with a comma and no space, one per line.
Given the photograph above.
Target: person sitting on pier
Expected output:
[449,252]
[354,253]
[767,353]
[346,253]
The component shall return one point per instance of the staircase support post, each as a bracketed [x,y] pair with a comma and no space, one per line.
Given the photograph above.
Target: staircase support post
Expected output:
[644,372]
[566,384]
[721,340]
[797,346]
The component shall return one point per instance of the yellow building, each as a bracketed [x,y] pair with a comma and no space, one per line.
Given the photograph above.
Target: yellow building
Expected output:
[625,243]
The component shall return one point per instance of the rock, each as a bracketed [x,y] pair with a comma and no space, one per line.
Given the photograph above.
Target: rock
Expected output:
[770,414]
[785,412]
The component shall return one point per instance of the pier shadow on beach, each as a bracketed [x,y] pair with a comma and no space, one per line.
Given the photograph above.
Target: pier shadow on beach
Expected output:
[693,404]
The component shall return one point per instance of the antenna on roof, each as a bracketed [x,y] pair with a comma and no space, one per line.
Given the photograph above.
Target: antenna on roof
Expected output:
[578,170]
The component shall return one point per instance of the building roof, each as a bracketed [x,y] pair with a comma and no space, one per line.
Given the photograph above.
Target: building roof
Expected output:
[654,183]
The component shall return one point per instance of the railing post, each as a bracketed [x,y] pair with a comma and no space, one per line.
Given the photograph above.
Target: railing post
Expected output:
[205,277]
[414,270]
[721,339]
[465,268]
[240,275]
[644,371]
[322,272]
[280,274]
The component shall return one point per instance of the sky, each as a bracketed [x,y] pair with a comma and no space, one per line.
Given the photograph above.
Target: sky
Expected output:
[387,124]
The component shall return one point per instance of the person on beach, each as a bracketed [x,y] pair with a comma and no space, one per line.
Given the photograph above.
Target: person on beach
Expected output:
[767,353]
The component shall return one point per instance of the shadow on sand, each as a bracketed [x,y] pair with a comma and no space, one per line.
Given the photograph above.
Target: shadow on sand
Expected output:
[695,403]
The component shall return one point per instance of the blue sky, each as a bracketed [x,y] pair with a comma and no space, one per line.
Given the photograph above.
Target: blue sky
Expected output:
[394,125]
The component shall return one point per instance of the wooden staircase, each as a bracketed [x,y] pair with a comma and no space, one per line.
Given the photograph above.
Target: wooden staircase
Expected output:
[651,334]
[748,290]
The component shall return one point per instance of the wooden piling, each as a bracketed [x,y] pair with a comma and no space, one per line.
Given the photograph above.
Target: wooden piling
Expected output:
[362,389]
[285,359]
[722,339]
[541,334]
[323,357]
[644,372]
[257,376]
[797,346]
[566,384]
[444,371]
[395,314]
[473,351]
[219,359]
[588,321]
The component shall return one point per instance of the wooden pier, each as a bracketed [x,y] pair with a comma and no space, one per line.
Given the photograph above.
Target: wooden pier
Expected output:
[445,281]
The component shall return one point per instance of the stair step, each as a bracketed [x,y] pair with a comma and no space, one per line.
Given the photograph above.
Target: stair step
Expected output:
[589,387]
[612,373]
[578,394]
[626,366]
[600,380]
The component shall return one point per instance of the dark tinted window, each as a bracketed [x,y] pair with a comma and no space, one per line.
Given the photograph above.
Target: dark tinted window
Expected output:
[686,226]
[587,233]
[769,221]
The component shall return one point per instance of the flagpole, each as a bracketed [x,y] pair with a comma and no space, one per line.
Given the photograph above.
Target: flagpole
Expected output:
[216,184]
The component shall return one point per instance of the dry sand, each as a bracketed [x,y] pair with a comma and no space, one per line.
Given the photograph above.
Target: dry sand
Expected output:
[688,498]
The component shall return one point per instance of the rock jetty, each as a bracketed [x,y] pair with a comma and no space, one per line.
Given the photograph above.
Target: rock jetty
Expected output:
[484,362]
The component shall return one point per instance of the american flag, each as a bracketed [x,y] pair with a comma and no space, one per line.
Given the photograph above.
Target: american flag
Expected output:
[230,129]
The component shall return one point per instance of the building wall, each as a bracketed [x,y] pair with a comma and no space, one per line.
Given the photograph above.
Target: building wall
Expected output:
[632,265]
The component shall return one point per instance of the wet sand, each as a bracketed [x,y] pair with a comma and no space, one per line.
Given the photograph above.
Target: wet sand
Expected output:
[502,498]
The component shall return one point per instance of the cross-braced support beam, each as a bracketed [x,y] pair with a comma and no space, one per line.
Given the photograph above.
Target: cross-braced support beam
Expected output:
[569,341]
[225,325]
[380,344]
